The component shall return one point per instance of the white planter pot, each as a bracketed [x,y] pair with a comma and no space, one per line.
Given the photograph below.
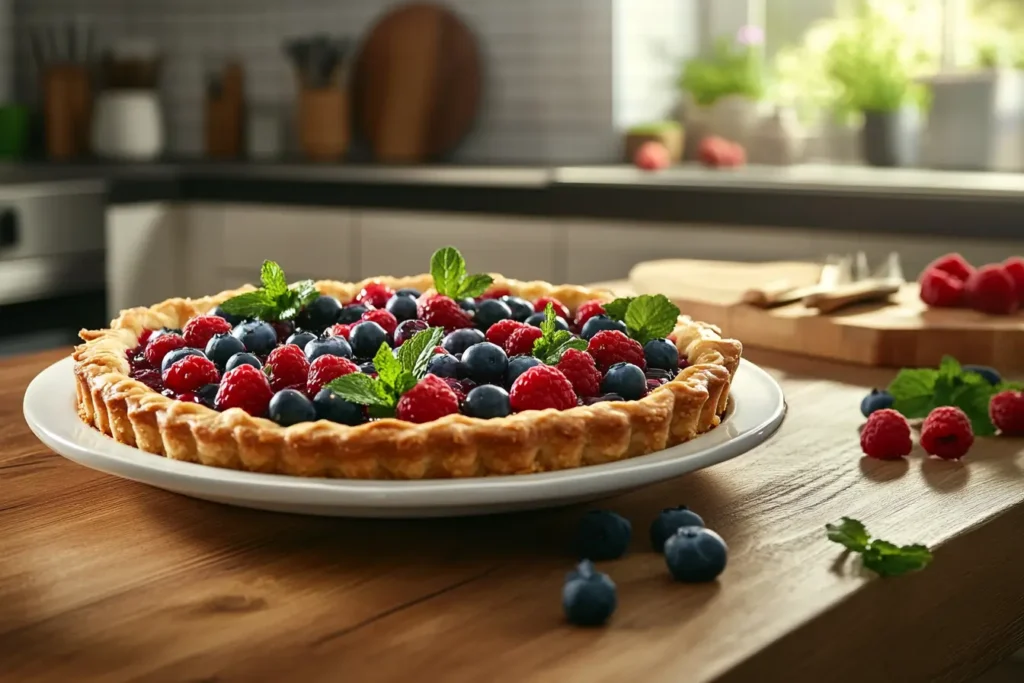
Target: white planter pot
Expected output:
[733,117]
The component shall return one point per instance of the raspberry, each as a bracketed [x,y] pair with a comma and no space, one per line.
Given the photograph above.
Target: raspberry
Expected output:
[441,311]
[496,293]
[144,337]
[1015,269]
[244,387]
[588,310]
[991,290]
[339,330]
[954,264]
[1007,412]
[542,387]
[939,288]
[947,433]
[202,329]
[540,304]
[431,399]
[886,435]
[499,332]
[609,347]
[375,294]
[287,367]
[159,347]
[324,369]
[190,373]
[440,350]
[383,318]
[578,366]
[520,342]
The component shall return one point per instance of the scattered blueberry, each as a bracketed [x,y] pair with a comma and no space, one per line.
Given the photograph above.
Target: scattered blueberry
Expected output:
[517,365]
[604,398]
[329,346]
[443,365]
[878,399]
[588,596]
[991,375]
[351,313]
[407,329]
[242,359]
[603,535]
[368,368]
[221,313]
[207,394]
[486,402]
[537,318]
[668,522]
[321,313]
[222,347]
[174,356]
[289,407]
[695,554]
[521,308]
[485,363]
[661,354]
[409,291]
[366,338]
[330,406]
[468,304]
[490,311]
[402,307]
[626,380]
[460,340]
[300,339]
[600,323]
[258,337]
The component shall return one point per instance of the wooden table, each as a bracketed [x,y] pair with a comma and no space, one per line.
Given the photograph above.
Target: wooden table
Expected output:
[106,579]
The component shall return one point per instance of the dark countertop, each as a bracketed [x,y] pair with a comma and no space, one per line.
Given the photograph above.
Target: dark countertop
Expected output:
[810,196]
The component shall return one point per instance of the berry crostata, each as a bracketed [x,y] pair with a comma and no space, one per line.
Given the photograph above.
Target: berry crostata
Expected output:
[440,375]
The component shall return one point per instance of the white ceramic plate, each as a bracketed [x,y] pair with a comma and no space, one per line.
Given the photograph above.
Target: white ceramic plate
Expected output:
[755,412]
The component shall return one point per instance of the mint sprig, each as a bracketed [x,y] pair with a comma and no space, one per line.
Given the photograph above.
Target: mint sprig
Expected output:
[275,300]
[395,376]
[882,557]
[448,269]
[550,347]
[647,317]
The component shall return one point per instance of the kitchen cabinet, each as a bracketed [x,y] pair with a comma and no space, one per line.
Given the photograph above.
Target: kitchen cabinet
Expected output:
[144,255]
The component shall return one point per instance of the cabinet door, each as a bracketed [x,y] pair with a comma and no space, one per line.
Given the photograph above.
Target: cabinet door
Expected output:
[401,243]
[143,255]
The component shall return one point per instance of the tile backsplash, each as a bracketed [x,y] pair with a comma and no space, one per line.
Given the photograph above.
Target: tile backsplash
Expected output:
[551,90]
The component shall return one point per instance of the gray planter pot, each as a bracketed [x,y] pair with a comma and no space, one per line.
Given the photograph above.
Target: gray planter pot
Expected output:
[891,138]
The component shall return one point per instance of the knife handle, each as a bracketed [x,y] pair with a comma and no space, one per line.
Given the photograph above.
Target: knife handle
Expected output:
[847,295]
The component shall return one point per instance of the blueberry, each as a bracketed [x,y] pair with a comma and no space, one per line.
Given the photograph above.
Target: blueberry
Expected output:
[351,313]
[517,365]
[409,291]
[221,313]
[602,535]
[300,339]
[330,406]
[695,554]
[174,356]
[242,359]
[407,329]
[460,340]
[878,399]
[521,308]
[600,323]
[991,375]
[289,407]
[626,380]
[662,354]
[366,338]
[588,596]
[604,398]
[402,307]
[537,318]
[485,363]
[207,394]
[368,368]
[222,347]
[491,311]
[329,346]
[468,304]
[443,365]
[259,337]
[668,522]
[321,313]
[663,375]
[487,401]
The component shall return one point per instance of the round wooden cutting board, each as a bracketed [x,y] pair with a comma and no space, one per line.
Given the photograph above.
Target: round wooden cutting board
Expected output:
[417,83]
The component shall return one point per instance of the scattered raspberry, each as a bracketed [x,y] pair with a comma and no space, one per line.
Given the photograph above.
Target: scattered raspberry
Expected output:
[431,399]
[202,329]
[991,290]
[947,433]
[441,311]
[520,342]
[715,151]
[499,332]
[326,368]
[609,347]
[652,156]
[496,293]
[244,387]
[542,387]
[1007,412]
[287,367]
[579,368]
[886,435]
[159,347]
[1015,269]
[588,310]
[560,309]
[339,330]
[940,289]
[954,264]
[375,294]
[383,318]
[190,373]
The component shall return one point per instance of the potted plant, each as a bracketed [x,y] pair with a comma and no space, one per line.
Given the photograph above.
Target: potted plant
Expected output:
[668,133]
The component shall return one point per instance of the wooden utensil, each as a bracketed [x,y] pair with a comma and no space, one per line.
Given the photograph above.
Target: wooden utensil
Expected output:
[842,296]
[323,123]
[417,83]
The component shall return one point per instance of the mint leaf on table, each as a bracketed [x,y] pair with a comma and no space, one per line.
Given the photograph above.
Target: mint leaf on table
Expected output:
[651,317]
[849,533]
[554,342]
[275,300]
[448,269]
[913,392]
[616,310]
[882,557]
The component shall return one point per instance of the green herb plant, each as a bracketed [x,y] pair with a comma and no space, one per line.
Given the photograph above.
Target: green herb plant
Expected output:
[276,300]
[731,69]
[647,317]
[882,557]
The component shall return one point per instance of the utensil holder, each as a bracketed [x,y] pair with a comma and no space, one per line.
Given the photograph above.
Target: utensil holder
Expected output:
[323,123]
[67,105]
[223,128]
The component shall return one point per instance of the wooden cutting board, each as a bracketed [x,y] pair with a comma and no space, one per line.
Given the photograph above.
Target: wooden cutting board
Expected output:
[902,333]
[417,83]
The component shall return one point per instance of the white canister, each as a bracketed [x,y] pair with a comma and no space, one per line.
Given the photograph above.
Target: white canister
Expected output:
[128,125]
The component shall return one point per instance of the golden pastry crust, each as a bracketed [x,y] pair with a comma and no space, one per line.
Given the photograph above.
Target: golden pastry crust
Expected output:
[454,446]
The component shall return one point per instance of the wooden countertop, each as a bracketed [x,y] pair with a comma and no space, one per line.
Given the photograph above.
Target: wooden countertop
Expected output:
[102,578]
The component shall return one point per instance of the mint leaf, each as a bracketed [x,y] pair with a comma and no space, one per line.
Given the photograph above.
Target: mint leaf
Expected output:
[651,317]
[275,300]
[415,354]
[294,299]
[388,367]
[913,392]
[448,268]
[888,559]
[950,367]
[849,533]
[474,285]
[274,282]
[361,389]
[616,310]
[973,399]
[248,305]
